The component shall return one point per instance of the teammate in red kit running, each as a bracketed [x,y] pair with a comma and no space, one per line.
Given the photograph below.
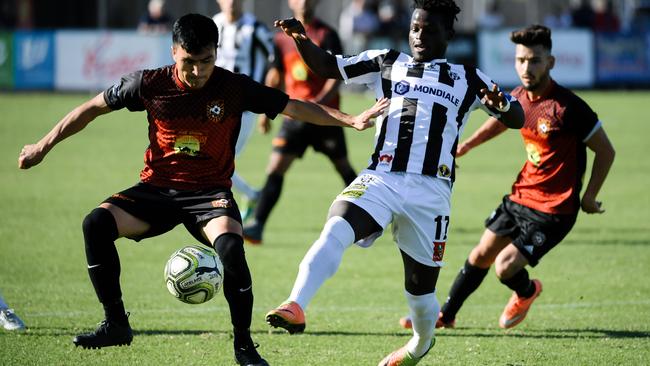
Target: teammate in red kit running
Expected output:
[295,137]
[545,198]
[194,112]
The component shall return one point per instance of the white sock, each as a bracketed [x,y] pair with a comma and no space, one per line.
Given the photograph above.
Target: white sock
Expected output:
[424,313]
[322,260]
[242,186]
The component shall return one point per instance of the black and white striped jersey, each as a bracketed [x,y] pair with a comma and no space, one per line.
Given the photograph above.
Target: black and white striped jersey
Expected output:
[245,47]
[430,103]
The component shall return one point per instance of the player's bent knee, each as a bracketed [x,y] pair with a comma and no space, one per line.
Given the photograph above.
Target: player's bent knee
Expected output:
[100,223]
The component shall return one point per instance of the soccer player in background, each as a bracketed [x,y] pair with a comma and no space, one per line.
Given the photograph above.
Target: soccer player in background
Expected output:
[545,198]
[246,47]
[294,136]
[409,180]
[8,318]
[194,113]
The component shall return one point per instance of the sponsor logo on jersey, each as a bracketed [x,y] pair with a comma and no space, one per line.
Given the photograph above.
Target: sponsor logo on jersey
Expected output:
[187,144]
[221,203]
[438,250]
[215,110]
[533,154]
[402,87]
[437,92]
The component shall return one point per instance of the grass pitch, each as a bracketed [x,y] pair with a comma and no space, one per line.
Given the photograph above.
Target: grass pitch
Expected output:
[595,308]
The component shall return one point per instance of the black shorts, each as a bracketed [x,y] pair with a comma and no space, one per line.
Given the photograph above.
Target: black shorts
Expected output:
[533,232]
[294,137]
[164,208]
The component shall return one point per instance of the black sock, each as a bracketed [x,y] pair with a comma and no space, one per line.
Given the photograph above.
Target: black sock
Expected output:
[237,283]
[268,197]
[520,283]
[467,281]
[100,232]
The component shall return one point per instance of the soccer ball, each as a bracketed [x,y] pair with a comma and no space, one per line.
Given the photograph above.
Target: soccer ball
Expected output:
[194,274]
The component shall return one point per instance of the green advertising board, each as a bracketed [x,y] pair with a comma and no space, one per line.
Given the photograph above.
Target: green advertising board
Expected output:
[6,61]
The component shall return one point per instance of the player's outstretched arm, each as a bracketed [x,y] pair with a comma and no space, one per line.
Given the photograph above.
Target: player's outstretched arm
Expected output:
[319,114]
[603,159]
[512,114]
[488,130]
[72,123]
[318,60]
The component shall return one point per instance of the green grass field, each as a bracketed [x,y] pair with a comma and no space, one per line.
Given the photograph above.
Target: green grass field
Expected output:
[595,309]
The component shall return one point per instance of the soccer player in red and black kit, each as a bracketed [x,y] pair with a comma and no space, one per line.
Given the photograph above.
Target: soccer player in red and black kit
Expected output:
[194,113]
[294,136]
[545,198]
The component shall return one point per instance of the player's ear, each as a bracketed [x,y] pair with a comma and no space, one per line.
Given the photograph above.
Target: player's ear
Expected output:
[551,62]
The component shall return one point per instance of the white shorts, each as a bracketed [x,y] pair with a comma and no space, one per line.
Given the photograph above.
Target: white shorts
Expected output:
[248,122]
[417,205]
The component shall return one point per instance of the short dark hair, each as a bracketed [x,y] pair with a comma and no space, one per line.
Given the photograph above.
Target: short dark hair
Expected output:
[447,8]
[195,32]
[533,35]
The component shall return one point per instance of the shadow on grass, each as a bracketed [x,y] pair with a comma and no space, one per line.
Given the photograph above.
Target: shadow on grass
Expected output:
[588,333]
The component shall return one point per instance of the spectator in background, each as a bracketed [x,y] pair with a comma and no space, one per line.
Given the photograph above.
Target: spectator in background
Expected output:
[583,15]
[394,22]
[560,17]
[605,19]
[492,17]
[155,20]
[357,23]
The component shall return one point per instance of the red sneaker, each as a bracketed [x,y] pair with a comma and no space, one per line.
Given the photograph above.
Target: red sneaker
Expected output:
[517,307]
[289,316]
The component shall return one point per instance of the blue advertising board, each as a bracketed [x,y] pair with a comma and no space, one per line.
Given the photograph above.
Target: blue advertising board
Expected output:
[34,60]
[622,59]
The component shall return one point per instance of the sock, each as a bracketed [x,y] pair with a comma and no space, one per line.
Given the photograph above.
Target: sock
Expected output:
[322,260]
[520,283]
[424,313]
[237,282]
[268,197]
[242,186]
[100,232]
[467,281]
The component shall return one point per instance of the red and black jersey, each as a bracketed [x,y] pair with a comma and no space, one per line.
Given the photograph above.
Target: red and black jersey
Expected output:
[556,128]
[300,82]
[192,133]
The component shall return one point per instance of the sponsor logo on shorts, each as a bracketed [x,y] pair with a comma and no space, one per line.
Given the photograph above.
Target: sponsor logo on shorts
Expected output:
[122,197]
[444,171]
[221,203]
[438,250]
[539,238]
[354,190]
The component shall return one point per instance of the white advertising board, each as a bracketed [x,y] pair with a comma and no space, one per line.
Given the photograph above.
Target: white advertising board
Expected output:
[573,51]
[95,60]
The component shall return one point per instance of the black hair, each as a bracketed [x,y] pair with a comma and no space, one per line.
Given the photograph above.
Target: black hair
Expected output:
[195,32]
[533,35]
[446,8]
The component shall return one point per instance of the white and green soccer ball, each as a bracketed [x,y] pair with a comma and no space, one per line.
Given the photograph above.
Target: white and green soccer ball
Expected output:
[194,274]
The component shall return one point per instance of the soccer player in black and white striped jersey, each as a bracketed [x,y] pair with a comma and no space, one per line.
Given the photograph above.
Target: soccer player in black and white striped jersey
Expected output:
[245,47]
[409,179]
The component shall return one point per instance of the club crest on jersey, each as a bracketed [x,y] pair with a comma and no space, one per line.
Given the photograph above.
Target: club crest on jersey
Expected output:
[444,171]
[438,250]
[385,159]
[402,87]
[221,203]
[215,110]
[543,126]
[454,76]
